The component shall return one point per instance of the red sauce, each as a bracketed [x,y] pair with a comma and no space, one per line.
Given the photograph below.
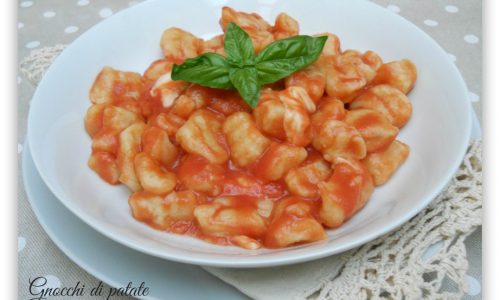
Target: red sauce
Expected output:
[242,183]
[366,121]
[106,140]
[284,218]
[348,188]
[105,165]
[244,186]
[244,190]
[228,102]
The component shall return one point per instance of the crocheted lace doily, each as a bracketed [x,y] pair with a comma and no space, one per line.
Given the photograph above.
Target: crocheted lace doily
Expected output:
[397,265]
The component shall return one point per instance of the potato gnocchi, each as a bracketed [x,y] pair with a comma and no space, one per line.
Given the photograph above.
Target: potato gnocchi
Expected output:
[201,162]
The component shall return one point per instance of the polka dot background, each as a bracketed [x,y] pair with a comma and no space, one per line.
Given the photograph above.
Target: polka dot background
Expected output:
[454,24]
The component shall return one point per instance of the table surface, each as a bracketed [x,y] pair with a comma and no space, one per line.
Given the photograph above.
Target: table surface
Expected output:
[454,24]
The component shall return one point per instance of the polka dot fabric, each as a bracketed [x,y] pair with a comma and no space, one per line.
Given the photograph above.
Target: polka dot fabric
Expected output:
[48,22]
[454,24]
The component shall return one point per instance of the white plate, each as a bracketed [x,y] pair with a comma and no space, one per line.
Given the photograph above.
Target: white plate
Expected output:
[437,133]
[111,262]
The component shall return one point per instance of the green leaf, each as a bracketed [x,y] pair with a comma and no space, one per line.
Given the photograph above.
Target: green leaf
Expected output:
[246,82]
[284,57]
[238,46]
[245,72]
[209,69]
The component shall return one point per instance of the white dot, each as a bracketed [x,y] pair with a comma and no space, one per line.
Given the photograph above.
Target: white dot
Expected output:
[20,25]
[431,23]
[451,9]
[471,39]
[21,242]
[83,2]
[32,44]
[393,8]
[105,12]
[473,286]
[19,80]
[473,97]
[50,281]
[26,3]
[71,29]
[19,148]
[452,57]
[49,14]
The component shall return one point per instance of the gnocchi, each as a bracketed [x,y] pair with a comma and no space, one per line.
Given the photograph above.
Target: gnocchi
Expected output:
[400,74]
[258,29]
[177,44]
[375,129]
[286,115]
[384,163]
[93,118]
[293,223]
[167,121]
[106,140]
[345,192]
[201,162]
[229,102]
[332,44]
[155,142]
[312,79]
[168,90]
[245,141]
[198,174]
[104,164]
[215,44]
[112,85]
[329,109]
[151,177]
[130,142]
[338,139]
[222,220]
[117,118]
[285,27]
[349,72]
[387,100]
[202,135]
[157,69]
[162,211]
[303,181]
[278,160]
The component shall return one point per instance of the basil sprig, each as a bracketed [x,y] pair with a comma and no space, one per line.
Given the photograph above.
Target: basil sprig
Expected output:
[244,71]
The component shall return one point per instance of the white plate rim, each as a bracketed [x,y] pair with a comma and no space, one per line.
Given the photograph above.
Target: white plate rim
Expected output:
[281,260]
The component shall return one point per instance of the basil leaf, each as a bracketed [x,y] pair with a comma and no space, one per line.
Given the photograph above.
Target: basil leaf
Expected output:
[245,72]
[247,83]
[238,46]
[284,57]
[209,69]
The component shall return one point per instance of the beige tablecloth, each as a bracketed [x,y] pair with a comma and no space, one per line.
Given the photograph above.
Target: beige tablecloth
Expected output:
[455,24]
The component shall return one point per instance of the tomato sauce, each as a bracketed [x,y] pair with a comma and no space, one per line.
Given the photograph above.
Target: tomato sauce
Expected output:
[245,186]
[271,194]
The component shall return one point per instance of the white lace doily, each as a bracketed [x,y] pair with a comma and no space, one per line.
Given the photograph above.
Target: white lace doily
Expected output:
[413,262]
[399,265]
